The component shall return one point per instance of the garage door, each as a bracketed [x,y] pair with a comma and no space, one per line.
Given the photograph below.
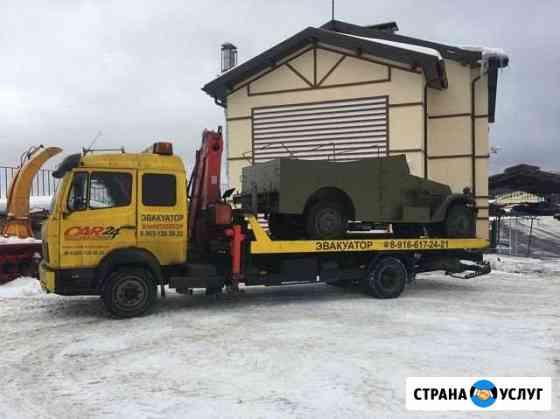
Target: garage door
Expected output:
[340,131]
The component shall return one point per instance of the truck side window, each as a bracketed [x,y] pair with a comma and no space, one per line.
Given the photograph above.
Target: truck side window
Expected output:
[159,190]
[77,198]
[110,190]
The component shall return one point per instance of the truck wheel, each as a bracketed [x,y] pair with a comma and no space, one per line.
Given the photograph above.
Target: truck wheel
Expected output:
[326,220]
[460,222]
[129,292]
[386,278]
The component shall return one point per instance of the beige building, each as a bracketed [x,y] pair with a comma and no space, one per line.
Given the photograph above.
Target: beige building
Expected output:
[344,92]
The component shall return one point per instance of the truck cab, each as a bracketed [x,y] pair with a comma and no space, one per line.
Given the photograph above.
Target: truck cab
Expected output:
[111,208]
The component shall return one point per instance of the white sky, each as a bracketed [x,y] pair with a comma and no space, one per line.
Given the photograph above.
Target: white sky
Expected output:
[134,69]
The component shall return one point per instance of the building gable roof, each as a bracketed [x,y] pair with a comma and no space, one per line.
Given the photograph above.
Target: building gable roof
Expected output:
[430,62]
[376,40]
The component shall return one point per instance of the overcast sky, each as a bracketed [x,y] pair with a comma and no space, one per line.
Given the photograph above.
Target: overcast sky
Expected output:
[134,69]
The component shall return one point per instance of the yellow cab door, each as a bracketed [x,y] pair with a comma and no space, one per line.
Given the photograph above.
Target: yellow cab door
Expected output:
[162,215]
[99,216]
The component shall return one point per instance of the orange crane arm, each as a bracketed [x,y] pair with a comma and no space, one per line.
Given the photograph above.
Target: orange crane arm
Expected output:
[17,209]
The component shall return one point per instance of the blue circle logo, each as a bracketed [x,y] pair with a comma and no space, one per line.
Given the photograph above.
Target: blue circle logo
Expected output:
[483,393]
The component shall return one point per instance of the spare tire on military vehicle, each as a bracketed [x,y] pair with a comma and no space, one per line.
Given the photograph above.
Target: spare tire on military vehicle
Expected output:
[460,222]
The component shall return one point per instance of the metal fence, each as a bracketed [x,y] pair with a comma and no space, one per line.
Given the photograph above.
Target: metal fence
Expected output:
[527,236]
[44,184]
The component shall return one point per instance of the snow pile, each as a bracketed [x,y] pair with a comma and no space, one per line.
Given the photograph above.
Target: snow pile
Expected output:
[521,265]
[36,203]
[20,287]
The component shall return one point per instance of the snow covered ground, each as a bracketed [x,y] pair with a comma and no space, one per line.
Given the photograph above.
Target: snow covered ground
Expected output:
[302,351]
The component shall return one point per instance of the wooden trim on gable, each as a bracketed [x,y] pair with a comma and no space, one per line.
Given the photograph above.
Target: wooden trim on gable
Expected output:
[371,60]
[315,66]
[320,84]
[340,60]
[297,73]
[270,69]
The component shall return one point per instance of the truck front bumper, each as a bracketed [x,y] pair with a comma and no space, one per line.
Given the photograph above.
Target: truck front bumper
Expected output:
[47,277]
[68,281]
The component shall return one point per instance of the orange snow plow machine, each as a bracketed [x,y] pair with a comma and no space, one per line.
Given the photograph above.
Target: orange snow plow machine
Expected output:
[19,251]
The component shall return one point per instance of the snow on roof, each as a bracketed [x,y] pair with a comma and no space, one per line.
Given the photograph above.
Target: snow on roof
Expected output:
[488,52]
[402,45]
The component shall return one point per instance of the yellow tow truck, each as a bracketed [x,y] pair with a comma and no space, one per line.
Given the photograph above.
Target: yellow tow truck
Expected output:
[124,224]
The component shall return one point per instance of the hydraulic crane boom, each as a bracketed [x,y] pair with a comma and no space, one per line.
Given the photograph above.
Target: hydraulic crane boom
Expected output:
[205,206]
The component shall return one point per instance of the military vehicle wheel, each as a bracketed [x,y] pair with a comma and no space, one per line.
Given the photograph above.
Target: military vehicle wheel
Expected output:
[285,227]
[326,220]
[129,292]
[386,278]
[460,222]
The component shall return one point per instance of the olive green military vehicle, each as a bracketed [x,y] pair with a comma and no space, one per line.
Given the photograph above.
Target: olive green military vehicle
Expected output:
[321,199]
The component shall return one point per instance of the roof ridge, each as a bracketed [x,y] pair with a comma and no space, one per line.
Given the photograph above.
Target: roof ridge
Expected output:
[448,51]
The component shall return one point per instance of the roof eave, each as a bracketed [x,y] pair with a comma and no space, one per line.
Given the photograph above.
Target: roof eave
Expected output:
[433,68]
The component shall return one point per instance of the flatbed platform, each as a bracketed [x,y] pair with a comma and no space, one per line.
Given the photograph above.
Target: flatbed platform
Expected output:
[263,244]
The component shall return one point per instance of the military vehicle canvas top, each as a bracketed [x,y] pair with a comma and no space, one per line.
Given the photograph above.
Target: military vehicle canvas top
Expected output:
[317,198]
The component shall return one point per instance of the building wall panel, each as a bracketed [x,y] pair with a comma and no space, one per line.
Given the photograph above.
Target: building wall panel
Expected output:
[456,172]
[481,137]
[449,136]
[456,99]
[406,131]
[481,165]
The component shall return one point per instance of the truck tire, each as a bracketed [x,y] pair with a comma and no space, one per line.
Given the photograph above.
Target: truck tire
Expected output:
[386,278]
[129,292]
[460,222]
[326,220]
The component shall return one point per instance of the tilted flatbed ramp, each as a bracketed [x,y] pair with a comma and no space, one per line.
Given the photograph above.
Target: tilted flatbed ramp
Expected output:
[263,244]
